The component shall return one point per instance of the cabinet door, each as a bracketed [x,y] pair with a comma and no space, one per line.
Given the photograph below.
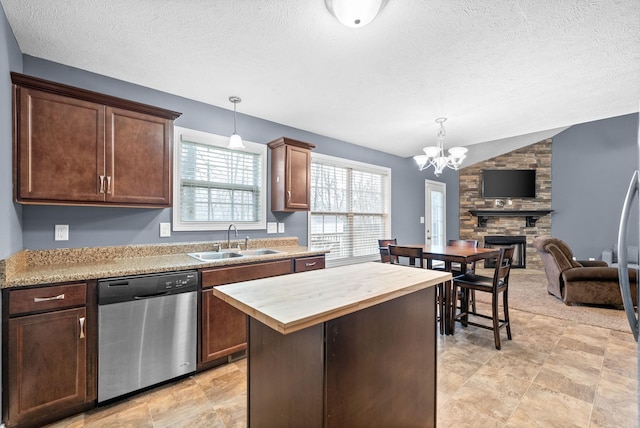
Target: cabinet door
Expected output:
[47,372]
[224,328]
[298,178]
[60,146]
[138,158]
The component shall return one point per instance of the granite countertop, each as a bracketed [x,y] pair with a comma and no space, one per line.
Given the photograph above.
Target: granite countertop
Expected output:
[81,264]
[293,302]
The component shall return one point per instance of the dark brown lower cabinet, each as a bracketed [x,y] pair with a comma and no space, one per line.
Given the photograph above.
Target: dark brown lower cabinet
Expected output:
[49,355]
[223,328]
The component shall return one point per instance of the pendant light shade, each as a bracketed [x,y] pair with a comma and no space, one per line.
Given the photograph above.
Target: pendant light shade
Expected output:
[355,13]
[235,141]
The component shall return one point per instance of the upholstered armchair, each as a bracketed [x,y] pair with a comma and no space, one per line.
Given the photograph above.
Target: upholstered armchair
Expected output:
[579,281]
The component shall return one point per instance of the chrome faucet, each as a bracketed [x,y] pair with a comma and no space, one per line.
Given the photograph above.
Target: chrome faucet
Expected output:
[229,233]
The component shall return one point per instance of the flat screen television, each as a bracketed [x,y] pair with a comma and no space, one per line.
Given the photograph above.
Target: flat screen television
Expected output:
[509,183]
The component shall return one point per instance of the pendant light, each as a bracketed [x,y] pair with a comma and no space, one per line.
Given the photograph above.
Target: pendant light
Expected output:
[235,141]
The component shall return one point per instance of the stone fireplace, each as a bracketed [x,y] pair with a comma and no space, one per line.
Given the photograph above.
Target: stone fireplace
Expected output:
[535,156]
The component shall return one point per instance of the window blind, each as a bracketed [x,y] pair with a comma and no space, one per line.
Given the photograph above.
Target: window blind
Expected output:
[217,186]
[350,204]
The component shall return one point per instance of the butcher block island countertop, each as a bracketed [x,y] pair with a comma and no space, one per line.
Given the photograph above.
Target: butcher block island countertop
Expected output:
[351,346]
[294,302]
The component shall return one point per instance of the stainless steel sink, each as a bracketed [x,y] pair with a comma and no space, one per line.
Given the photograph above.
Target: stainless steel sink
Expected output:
[209,256]
[259,252]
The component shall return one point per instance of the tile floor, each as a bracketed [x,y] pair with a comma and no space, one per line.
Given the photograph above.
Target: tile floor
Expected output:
[554,373]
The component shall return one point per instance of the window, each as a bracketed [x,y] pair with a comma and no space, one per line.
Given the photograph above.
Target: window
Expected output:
[215,186]
[350,209]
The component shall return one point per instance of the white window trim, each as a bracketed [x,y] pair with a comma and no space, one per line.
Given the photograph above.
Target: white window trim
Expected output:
[219,141]
[342,162]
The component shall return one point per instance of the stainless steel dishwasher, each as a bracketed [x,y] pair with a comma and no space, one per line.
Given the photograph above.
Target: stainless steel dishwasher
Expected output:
[146,331]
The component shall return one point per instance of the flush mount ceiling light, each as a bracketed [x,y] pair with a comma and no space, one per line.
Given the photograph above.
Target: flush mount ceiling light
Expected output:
[235,141]
[355,13]
[434,155]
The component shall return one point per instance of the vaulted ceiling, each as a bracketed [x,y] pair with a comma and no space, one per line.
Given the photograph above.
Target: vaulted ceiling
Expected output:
[508,72]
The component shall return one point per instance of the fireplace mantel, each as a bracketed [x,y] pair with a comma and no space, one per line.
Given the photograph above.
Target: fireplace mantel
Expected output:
[531,216]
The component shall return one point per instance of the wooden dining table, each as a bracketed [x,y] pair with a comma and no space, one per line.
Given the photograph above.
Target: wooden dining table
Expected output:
[449,255]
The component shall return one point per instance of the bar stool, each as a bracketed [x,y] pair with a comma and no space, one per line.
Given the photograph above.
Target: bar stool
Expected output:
[414,254]
[496,285]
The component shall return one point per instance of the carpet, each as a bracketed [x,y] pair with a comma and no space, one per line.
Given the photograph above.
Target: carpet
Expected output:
[528,293]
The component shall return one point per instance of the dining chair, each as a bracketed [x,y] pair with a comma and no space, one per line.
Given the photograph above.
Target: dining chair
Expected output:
[414,254]
[496,285]
[383,245]
[456,268]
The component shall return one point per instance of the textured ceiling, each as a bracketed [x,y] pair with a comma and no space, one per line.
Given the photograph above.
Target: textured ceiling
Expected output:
[497,69]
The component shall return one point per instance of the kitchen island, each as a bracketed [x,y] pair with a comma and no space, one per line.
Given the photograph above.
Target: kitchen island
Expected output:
[349,346]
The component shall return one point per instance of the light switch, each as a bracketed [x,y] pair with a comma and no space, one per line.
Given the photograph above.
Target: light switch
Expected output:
[280,227]
[165,230]
[421,220]
[61,232]
[272,227]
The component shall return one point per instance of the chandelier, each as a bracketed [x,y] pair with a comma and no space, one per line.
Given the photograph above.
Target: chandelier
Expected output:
[434,155]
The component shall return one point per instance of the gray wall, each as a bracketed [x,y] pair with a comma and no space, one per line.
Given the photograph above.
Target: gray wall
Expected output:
[91,226]
[591,166]
[10,213]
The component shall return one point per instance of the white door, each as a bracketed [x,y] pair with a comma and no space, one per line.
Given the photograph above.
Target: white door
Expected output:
[435,198]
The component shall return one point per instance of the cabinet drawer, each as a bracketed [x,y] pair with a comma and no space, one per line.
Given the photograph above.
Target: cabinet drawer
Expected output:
[231,274]
[47,298]
[309,263]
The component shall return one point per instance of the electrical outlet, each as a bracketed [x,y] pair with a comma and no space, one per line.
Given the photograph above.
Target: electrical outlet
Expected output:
[165,230]
[272,227]
[421,220]
[61,232]
[280,227]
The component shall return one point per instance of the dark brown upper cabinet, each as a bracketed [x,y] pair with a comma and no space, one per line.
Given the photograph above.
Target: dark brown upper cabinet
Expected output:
[77,147]
[290,175]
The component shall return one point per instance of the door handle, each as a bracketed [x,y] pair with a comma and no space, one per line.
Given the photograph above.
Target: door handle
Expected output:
[101,178]
[108,184]
[81,327]
[288,196]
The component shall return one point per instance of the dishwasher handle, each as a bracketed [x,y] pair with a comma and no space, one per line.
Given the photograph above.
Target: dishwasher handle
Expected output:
[151,296]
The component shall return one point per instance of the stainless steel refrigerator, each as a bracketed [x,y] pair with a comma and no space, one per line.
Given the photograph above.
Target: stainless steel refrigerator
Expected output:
[623,270]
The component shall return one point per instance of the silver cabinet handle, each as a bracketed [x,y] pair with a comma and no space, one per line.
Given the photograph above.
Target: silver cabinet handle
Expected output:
[47,299]
[108,184]
[101,183]
[82,328]
[310,264]
[288,195]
